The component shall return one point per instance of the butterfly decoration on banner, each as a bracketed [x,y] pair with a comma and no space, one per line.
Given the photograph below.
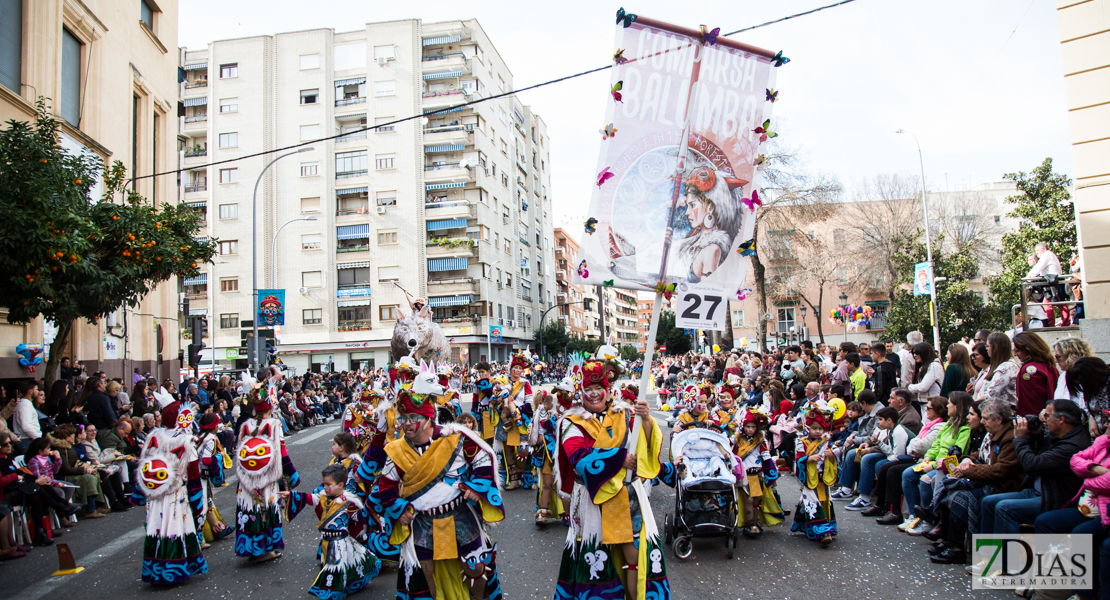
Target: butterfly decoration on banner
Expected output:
[664,288]
[607,283]
[850,314]
[591,225]
[709,38]
[752,202]
[608,132]
[779,60]
[617,87]
[764,131]
[626,17]
[747,248]
[583,272]
[759,160]
[742,294]
[772,95]
[604,175]
[618,56]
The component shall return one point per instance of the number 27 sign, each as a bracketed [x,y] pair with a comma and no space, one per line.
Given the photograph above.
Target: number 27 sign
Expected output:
[701,306]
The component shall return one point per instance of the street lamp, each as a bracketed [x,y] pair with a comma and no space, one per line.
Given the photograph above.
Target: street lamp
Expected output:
[273,248]
[805,331]
[254,254]
[928,246]
[844,304]
[489,313]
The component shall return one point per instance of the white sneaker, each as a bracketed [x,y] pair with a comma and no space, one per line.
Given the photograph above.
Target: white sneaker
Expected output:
[859,504]
[976,568]
[841,494]
[909,523]
[921,528]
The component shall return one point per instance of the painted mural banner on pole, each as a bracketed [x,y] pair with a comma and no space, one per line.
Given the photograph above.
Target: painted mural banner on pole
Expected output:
[271,308]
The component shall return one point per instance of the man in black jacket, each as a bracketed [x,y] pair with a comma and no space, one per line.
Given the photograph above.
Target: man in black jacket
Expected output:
[881,373]
[1050,482]
[98,407]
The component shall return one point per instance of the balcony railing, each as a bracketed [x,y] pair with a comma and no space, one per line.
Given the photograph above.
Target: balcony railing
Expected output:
[196,187]
[353,327]
[350,101]
[358,248]
[467,127]
[354,286]
[526,297]
[463,319]
[445,55]
[349,174]
[199,83]
[192,153]
[352,137]
[440,93]
[877,322]
[352,211]
[442,167]
[196,119]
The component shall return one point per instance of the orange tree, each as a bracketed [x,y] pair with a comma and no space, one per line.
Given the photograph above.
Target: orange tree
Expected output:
[65,256]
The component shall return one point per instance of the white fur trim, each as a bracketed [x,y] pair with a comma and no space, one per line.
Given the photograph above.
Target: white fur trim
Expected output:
[451,428]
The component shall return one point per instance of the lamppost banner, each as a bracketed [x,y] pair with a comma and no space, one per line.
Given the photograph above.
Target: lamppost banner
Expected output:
[271,308]
[669,81]
[922,279]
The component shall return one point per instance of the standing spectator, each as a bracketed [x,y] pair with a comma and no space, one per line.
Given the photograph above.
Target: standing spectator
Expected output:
[856,376]
[927,373]
[977,387]
[895,358]
[811,371]
[57,402]
[98,406]
[138,400]
[959,371]
[25,423]
[882,373]
[905,357]
[136,378]
[1066,351]
[202,391]
[1002,377]
[1037,382]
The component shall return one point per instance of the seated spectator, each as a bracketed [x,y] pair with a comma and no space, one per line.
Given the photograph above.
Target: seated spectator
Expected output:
[953,433]
[89,491]
[1036,383]
[891,440]
[44,493]
[887,497]
[864,438]
[110,470]
[902,400]
[1087,379]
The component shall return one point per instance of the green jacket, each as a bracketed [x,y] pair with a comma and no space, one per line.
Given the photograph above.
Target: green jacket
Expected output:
[939,449]
[111,439]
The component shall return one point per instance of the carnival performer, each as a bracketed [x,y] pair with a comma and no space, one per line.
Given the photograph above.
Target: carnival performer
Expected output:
[344,452]
[448,408]
[438,490]
[725,414]
[756,475]
[541,437]
[264,469]
[347,565]
[612,549]
[172,547]
[213,461]
[697,413]
[366,473]
[817,470]
[516,419]
[359,416]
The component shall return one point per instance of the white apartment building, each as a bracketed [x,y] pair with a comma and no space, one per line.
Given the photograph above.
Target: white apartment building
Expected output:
[451,206]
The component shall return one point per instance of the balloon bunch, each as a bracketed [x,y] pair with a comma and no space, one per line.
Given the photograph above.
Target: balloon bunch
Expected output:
[850,314]
[30,355]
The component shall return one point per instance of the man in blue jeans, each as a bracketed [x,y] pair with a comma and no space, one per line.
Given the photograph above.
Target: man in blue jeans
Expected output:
[1046,460]
[866,437]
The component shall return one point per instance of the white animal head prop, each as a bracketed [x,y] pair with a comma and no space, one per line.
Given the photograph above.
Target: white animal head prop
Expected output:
[426,382]
[418,336]
[608,352]
[259,452]
[164,461]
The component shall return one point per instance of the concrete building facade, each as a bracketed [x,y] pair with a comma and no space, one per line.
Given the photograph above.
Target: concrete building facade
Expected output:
[573,316]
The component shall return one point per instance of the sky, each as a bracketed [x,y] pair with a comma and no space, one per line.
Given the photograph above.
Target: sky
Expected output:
[979,83]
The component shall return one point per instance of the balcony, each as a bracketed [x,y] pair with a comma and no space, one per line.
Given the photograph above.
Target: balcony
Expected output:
[360,247]
[196,152]
[350,101]
[449,134]
[196,187]
[196,83]
[457,286]
[353,326]
[196,123]
[354,137]
[443,99]
[877,322]
[445,62]
[448,172]
[349,211]
[350,174]
[434,208]
[443,250]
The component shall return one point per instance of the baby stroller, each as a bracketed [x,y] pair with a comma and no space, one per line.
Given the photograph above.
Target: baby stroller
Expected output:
[705,495]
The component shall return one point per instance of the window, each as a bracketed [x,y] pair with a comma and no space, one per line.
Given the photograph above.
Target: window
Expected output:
[229,105]
[310,169]
[350,162]
[229,321]
[146,15]
[229,247]
[384,52]
[384,88]
[229,175]
[11,43]
[229,211]
[229,140]
[389,273]
[504,147]
[387,198]
[311,241]
[349,56]
[312,316]
[358,316]
[310,61]
[384,161]
[312,279]
[388,313]
[387,237]
[380,124]
[505,179]
[310,132]
[229,284]
[310,96]
[786,319]
[737,318]
[71,78]
[229,70]
[356,276]
[310,205]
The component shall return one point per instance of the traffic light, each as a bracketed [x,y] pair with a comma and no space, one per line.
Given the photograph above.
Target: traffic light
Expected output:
[586,303]
[194,354]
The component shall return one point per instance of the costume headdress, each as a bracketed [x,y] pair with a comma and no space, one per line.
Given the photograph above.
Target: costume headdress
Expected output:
[630,392]
[522,360]
[817,416]
[730,389]
[410,403]
[212,425]
[402,372]
[599,372]
[754,416]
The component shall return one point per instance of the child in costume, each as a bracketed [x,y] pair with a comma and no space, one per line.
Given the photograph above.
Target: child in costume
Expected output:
[756,475]
[172,547]
[817,470]
[697,411]
[358,417]
[213,461]
[545,428]
[264,469]
[344,452]
[725,414]
[347,565]
[612,548]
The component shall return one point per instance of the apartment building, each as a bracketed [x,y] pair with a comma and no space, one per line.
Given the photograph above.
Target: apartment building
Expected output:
[108,71]
[623,308]
[439,199]
[643,322]
[574,316]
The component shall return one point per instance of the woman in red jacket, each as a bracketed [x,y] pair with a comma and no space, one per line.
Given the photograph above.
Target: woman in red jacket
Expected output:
[9,478]
[1036,380]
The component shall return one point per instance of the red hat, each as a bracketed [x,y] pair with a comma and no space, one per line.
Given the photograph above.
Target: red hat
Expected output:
[399,371]
[520,360]
[630,393]
[731,390]
[410,403]
[817,417]
[169,414]
[214,424]
[756,417]
[602,373]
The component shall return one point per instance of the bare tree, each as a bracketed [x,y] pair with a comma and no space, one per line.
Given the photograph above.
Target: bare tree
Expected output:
[886,212]
[967,221]
[813,265]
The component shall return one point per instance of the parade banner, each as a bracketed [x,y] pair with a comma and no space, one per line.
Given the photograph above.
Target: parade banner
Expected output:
[921,279]
[668,80]
[271,308]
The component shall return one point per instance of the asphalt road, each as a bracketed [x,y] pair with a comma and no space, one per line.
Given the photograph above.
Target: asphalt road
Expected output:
[865,561]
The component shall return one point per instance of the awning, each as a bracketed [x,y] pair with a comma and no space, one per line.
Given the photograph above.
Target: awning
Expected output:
[443,111]
[351,81]
[354,190]
[442,75]
[350,116]
[198,312]
[195,67]
[358,292]
[201,239]
[787,303]
[197,204]
[448,301]
[352,232]
[358,302]
[449,148]
[526,283]
[442,40]
[203,100]
[448,224]
[443,186]
[519,116]
[352,265]
[201,279]
[447,264]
